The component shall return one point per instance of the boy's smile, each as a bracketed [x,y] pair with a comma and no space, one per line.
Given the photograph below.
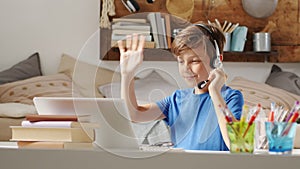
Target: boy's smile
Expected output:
[192,67]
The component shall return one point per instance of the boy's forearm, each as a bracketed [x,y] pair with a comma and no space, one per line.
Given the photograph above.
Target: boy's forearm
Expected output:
[128,93]
[218,100]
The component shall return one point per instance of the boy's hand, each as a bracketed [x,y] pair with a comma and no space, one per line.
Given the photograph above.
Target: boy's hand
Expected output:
[217,78]
[132,56]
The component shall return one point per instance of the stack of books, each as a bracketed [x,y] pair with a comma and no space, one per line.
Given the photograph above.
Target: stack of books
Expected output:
[161,29]
[122,27]
[156,28]
[54,131]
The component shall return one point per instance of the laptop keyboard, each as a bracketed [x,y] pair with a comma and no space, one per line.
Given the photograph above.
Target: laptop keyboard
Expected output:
[154,148]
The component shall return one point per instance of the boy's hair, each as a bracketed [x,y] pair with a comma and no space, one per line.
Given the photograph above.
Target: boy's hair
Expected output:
[195,35]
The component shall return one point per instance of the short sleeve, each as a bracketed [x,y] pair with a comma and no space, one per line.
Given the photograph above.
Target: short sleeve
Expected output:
[164,106]
[235,101]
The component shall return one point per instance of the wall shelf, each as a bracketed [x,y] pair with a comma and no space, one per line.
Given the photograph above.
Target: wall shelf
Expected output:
[165,55]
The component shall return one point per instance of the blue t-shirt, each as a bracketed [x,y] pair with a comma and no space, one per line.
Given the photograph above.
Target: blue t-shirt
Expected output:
[192,118]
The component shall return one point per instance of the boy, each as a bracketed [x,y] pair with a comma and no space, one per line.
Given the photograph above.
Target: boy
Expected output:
[194,116]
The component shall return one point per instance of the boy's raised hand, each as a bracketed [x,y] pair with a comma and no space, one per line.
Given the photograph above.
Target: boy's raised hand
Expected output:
[131,56]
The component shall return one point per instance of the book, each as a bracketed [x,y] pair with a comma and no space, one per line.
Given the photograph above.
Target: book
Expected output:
[123,37]
[131,27]
[164,33]
[137,20]
[160,31]
[129,32]
[54,145]
[126,23]
[168,31]
[37,117]
[20,133]
[59,124]
[152,19]
[148,44]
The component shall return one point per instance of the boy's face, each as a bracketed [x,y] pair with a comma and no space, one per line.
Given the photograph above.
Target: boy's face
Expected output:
[192,67]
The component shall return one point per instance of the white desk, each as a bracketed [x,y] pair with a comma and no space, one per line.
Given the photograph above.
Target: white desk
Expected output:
[77,159]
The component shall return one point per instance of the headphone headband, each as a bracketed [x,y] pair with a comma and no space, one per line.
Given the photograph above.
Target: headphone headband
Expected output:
[216,61]
[207,29]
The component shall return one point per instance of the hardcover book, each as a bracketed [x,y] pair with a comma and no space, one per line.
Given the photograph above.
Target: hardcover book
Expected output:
[20,133]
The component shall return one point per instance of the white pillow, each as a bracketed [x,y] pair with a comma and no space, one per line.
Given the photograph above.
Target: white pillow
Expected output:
[16,110]
[151,88]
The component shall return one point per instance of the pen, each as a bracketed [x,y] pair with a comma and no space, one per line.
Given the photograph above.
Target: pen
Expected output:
[271,114]
[291,121]
[244,113]
[229,120]
[295,107]
[294,117]
[252,119]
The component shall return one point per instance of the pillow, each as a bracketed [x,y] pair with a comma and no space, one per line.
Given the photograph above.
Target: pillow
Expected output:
[151,88]
[23,91]
[262,93]
[16,110]
[285,80]
[85,76]
[22,70]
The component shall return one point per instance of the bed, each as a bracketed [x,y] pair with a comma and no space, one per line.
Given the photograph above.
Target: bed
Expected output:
[80,79]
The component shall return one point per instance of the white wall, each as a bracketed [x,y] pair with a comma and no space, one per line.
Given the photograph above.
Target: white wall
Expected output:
[53,27]
[49,27]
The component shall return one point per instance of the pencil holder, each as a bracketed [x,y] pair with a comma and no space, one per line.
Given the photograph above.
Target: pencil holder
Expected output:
[280,137]
[241,136]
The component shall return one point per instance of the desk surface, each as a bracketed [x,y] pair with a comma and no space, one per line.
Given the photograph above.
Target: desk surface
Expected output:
[11,157]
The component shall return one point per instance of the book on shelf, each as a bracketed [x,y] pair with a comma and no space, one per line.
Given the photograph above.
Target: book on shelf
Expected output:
[148,44]
[54,145]
[125,23]
[136,20]
[115,37]
[168,30]
[129,32]
[20,133]
[131,27]
[160,32]
[152,19]
[164,33]
[59,124]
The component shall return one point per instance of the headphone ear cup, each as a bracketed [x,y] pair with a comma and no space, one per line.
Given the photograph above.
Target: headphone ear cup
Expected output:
[212,62]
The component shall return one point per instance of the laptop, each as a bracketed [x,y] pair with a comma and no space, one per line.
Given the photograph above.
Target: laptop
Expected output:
[115,131]
[114,134]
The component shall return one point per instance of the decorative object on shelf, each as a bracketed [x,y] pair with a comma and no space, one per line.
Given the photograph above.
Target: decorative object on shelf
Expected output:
[238,39]
[131,5]
[262,39]
[259,8]
[108,8]
[262,42]
[227,29]
[182,9]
